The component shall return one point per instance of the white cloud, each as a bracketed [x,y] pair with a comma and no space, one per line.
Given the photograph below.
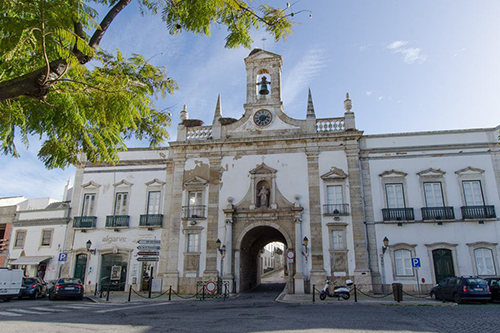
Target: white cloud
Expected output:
[303,73]
[410,54]
[380,98]
[368,93]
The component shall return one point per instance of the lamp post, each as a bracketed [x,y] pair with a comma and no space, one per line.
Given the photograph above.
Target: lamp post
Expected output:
[88,246]
[385,241]
[222,250]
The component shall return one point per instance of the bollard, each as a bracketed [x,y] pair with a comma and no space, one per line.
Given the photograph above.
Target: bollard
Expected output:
[129,292]
[100,296]
[314,293]
[203,292]
[170,293]
[355,294]
[109,288]
[397,289]
[95,290]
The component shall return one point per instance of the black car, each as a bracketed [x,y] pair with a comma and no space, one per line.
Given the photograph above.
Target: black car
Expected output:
[494,283]
[460,289]
[33,287]
[67,288]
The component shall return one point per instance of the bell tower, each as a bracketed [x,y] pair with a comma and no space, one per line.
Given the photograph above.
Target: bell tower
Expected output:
[263,79]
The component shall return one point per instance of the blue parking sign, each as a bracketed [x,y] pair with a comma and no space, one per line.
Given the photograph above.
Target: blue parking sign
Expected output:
[415,262]
[63,256]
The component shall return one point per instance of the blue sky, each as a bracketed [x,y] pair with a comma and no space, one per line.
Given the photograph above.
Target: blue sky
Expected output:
[408,65]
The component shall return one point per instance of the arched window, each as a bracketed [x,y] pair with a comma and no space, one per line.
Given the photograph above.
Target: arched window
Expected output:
[402,260]
[263,82]
[484,261]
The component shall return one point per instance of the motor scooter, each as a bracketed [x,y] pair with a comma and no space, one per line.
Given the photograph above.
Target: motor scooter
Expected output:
[338,291]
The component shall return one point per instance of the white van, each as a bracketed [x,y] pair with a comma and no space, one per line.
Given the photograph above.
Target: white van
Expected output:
[11,281]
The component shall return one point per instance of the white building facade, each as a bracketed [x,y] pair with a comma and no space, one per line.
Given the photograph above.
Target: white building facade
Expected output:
[319,186]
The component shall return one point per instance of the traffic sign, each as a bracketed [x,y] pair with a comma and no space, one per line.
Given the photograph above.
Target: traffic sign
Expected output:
[148,247]
[63,256]
[148,259]
[415,262]
[148,241]
[148,253]
[211,287]
[290,255]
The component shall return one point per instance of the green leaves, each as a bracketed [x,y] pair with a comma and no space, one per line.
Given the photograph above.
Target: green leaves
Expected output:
[56,82]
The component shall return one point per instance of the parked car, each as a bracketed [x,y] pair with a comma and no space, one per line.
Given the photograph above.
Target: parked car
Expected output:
[67,288]
[33,287]
[460,289]
[11,281]
[494,284]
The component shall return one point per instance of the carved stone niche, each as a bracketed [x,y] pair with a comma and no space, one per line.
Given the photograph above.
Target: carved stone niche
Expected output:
[263,193]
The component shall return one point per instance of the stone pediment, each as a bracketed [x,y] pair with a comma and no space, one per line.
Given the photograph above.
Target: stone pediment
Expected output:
[262,169]
[393,173]
[155,182]
[196,182]
[469,171]
[262,54]
[123,183]
[91,185]
[334,174]
[431,173]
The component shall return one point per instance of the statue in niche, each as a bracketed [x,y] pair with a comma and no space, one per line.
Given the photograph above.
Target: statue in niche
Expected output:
[263,197]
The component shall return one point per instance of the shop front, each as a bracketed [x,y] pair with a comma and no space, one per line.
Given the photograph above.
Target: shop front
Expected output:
[113,272]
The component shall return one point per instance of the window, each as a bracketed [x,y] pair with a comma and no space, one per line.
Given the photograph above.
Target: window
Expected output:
[473,193]
[484,262]
[338,240]
[88,204]
[20,235]
[194,198]
[395,196]
[402,259]
[193,243]
[46,237]
[334,195]
[121,203]
[433,194]
[153,202]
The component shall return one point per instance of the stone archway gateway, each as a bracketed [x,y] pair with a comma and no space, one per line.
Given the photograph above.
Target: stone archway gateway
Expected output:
[247,248]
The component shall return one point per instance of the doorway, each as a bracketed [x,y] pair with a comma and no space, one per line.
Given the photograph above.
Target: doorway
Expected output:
[114,271]
[443,264]
[80,267]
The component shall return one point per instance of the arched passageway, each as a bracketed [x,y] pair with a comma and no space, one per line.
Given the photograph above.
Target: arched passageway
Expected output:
[250,247]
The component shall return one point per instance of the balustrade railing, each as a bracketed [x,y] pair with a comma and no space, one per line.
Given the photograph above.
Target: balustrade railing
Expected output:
[335,209]
[199,132]
[398,214]
[478,212]
[438,213]
[84,222]
[330,125]
[151,220]
[117,221]
[197,211]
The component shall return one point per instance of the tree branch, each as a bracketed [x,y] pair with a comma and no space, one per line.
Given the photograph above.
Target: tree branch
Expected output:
[110,16]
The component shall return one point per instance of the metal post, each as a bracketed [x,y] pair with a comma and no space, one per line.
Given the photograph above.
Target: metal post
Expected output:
[95,290]
[314,293]
[129,292]
[355,294]
[418,282]
[203,291]
[109,288]
[150,282]
[170,293]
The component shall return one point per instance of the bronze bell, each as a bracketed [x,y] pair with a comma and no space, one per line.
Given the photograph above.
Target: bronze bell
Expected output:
[263,86]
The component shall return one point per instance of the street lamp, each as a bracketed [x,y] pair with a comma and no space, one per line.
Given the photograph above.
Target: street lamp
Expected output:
[305,243]
[89,245]
[386,245]
[222,250]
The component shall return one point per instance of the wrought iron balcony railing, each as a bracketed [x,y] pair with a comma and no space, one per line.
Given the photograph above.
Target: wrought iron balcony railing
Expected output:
[478,212]
[117,221]
[85,222]
[190,212]
[398,214]
[151,220]
[335,209]
[438,213]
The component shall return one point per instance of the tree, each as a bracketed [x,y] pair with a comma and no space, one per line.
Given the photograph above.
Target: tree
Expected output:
[58,83]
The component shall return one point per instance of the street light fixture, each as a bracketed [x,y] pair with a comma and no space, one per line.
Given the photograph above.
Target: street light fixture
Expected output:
[222,250]
[386,244]
[305,242]
[89,245]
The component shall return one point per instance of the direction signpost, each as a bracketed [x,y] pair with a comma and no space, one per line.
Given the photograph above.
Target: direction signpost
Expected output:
[148,250]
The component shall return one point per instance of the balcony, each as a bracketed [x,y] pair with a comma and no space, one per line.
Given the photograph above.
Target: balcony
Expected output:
[398,214]
[151,220]
[478,212]
[335,210]
[84,222]
[193,212]
[117,221]
[438,213]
